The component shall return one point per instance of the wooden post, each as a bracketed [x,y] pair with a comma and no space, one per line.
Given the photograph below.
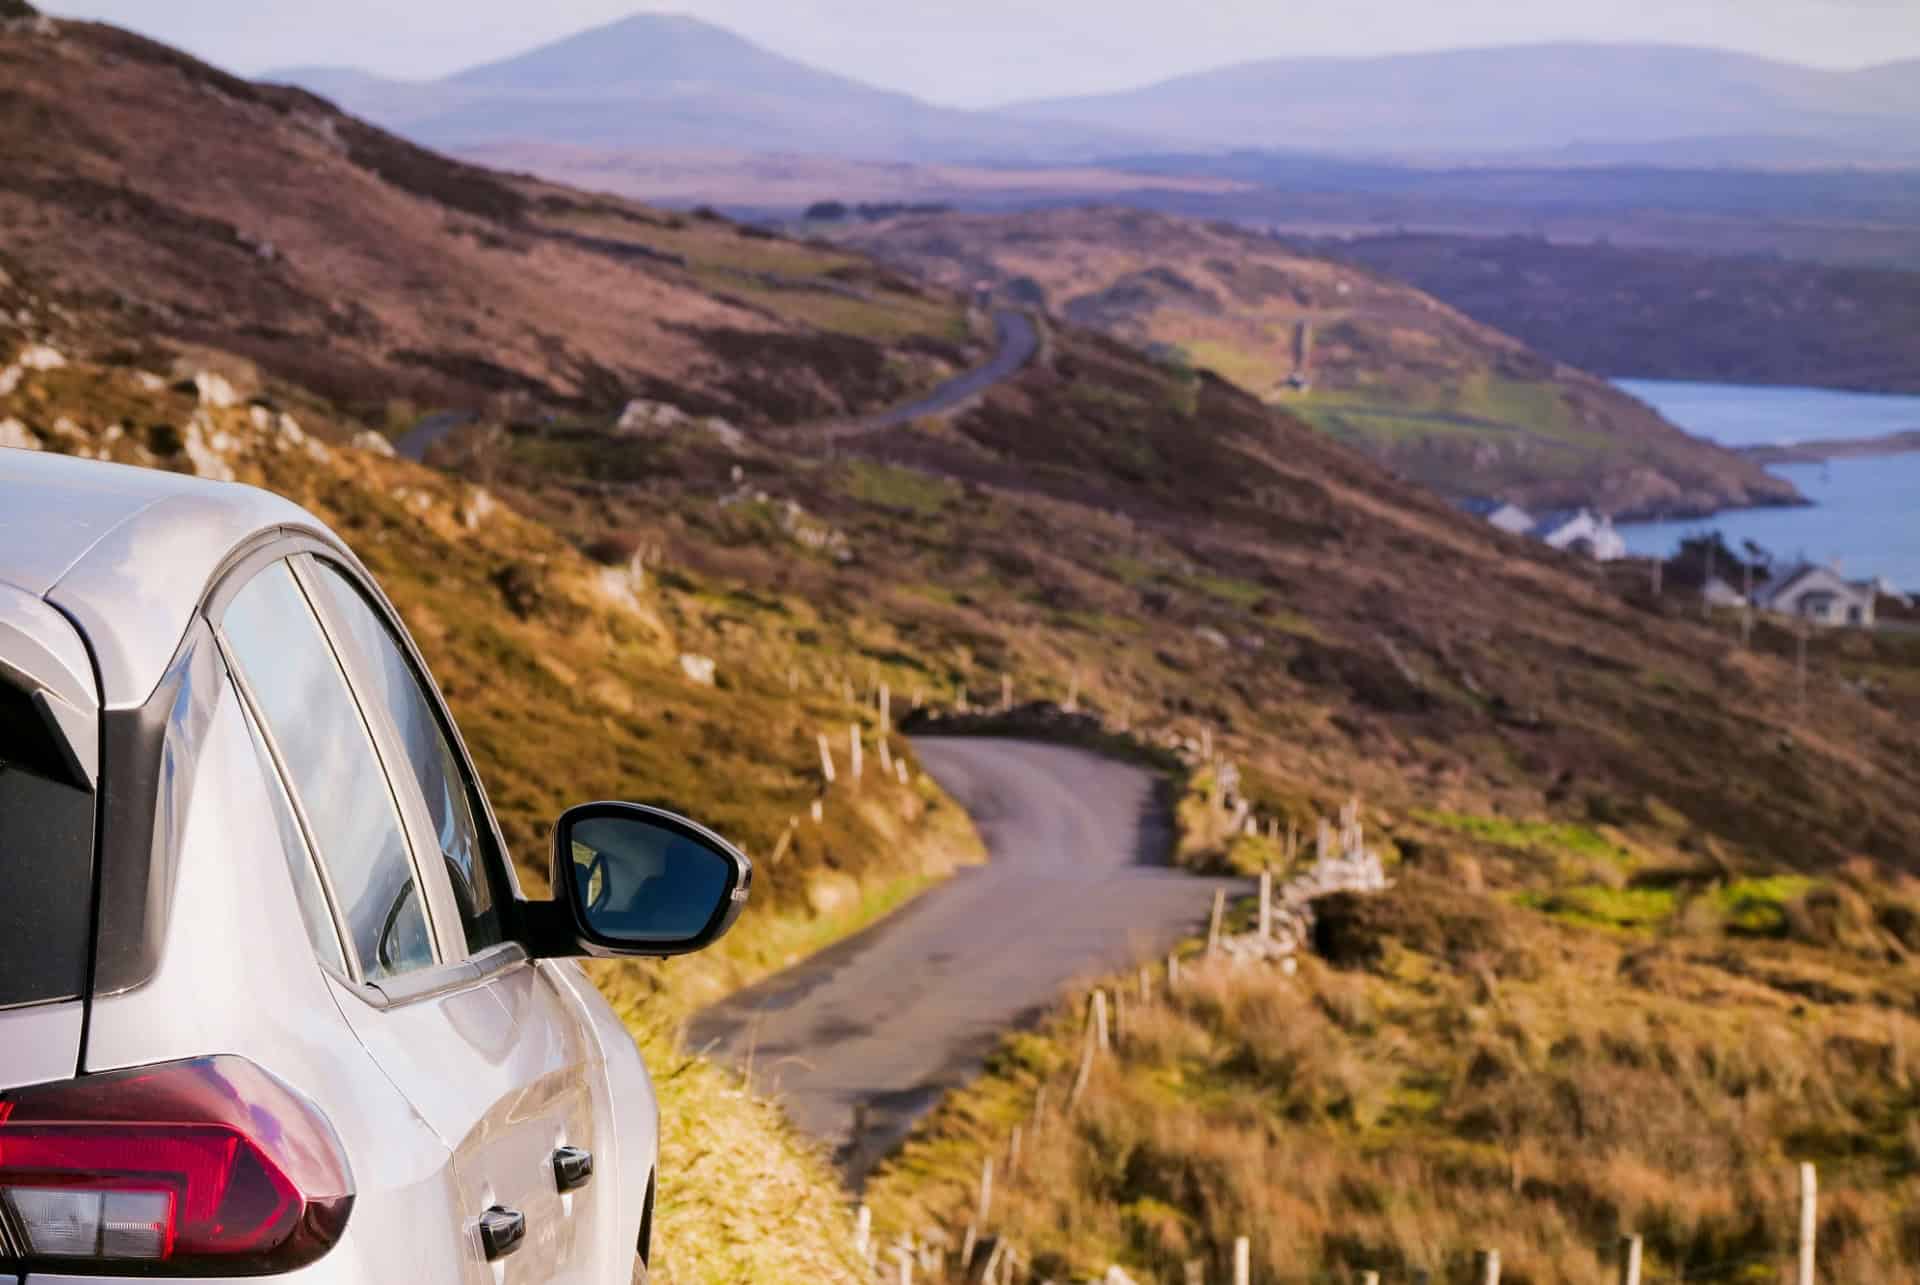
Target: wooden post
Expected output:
[819,812]
[1897,1048]
[886,758]
[1013,1153]
[1800,671]
[781,845]
[1266,901]
[1100,1041]
[1242,1261]
[853,745]
[986,1189]
[862,1230]
[1629,1260]
[1213,924]
[1146,991]
[886,710]
[1809,1220]
[1119,1016]
[900,770]
[1006,692]
[1039,1107]
[1195,1270]
[1486,1267]
[968,1243]
[826,760]
[905,1254]
[1369,1278]
[1173,974]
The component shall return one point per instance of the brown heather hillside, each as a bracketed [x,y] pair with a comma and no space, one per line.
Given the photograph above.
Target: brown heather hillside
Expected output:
[1673,314]
[262,221]
[1435,396]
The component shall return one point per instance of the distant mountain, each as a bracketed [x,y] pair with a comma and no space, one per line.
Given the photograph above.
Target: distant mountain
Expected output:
[666,81]
[1519,98]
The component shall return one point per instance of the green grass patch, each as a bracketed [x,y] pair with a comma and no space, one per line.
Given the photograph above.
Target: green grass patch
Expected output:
[1758,907]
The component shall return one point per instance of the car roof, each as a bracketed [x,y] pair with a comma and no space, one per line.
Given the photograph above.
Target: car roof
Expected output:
[127,553]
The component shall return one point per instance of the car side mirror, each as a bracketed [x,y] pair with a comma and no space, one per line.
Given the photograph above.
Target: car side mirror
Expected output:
[637,880]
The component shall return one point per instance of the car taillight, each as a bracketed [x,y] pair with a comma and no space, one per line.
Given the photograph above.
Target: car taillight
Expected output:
[204,1166]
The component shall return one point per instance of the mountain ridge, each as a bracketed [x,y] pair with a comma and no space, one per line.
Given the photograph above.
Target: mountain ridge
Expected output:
[1468,99]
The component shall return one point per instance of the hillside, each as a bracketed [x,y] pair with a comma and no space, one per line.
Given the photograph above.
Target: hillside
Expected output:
[264,222]
[667,81]
[1667,314]
[1436,397]
[1512,98]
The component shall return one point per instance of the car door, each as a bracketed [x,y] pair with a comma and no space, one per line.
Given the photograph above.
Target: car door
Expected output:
[532,1124]
[472,1033]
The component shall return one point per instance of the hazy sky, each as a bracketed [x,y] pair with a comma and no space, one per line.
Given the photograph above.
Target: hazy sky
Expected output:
[981,52]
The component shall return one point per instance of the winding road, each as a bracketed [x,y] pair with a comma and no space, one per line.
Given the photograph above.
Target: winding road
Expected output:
[894,1017]
[1016,342]
[418,440]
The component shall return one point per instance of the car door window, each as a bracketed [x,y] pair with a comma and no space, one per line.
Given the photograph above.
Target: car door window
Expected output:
[315,912]
[333,770]
[453,801]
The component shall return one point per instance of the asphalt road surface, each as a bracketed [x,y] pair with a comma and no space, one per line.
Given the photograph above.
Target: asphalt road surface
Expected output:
[1016,340]
[894,1017]
[418,440]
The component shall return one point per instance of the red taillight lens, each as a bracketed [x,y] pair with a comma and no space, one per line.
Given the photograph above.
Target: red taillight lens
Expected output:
[198,1166]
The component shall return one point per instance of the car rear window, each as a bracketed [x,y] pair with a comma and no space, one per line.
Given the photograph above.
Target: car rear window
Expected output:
[46,861]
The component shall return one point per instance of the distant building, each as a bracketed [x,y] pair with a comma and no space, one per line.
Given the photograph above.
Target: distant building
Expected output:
[1719,593]
[1821,595]
[1581,531]
[1509,517]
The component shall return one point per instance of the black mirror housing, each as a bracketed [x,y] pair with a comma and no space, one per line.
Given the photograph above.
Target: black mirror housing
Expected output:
[636,881]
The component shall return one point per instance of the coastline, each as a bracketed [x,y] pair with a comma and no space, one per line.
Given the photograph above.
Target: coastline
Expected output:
[1815,451]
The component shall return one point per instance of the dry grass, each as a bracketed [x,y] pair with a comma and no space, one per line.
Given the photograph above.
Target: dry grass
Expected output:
[1480,1076]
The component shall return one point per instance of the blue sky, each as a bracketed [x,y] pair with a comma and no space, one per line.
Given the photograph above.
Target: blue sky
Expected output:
[982,52]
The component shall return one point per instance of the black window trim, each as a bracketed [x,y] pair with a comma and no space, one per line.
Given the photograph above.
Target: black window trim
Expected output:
[493,854]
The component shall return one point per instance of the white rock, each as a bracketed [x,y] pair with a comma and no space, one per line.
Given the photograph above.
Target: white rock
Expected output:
[476,507]
[260,417]
[203,456]
[699,668]
[148,381]
[40,357]
[10,379]
[215,391]
[368,440]
[621,586]
[648,417]
[18,436]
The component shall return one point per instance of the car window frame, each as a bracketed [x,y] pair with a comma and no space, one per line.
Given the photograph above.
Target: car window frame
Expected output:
[360,667]
[231,584]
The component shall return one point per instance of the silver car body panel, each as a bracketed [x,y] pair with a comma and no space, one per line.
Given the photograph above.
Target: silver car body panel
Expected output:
[126,552]
[41,1042]
[41,654]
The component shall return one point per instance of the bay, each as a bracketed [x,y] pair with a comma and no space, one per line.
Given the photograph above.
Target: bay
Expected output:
[1865,515]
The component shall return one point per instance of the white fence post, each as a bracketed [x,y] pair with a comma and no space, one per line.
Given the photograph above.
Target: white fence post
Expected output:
[853,744]
[1242,1261]
[1809,1220]
[1629,1260]
[826,759]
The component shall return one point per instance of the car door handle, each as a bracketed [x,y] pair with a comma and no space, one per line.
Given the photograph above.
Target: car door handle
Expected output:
[501,1231]
[572,1168]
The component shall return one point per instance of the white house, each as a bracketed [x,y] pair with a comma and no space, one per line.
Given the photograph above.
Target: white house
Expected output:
[1819,594]
[1581,531]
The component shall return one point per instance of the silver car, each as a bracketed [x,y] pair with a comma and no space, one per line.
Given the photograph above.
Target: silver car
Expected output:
[271,999]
